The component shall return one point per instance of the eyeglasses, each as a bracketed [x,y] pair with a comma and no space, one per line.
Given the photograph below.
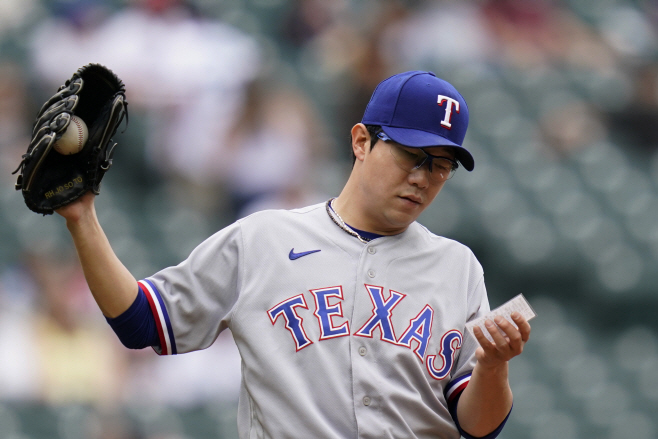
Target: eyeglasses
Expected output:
[410,159]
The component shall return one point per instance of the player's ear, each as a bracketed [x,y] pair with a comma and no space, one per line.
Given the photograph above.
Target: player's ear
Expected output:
[360,141]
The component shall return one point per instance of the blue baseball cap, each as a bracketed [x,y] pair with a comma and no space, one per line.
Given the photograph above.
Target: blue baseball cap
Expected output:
[418,110]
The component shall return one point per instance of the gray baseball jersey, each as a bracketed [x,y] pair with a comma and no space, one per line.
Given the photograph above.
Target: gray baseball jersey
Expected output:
[338,338]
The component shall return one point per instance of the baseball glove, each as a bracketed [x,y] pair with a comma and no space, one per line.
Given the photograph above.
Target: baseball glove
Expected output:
[50,180]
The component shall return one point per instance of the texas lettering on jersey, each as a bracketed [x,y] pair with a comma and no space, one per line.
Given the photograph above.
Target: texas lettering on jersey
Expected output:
[328,306]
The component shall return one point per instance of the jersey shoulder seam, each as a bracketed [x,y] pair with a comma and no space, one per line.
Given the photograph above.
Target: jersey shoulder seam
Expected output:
[434,236]
[241,274]
[280,212]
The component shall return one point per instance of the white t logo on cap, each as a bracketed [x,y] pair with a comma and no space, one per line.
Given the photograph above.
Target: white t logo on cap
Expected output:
[446,119]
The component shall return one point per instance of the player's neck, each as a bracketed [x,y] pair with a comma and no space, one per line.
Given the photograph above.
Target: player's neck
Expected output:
[344,206]
[353,211]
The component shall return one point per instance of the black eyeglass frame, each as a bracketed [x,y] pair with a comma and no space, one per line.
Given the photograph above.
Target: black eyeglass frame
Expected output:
[383,136]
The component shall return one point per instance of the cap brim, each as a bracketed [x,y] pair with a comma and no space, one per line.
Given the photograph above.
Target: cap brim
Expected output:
[422,139]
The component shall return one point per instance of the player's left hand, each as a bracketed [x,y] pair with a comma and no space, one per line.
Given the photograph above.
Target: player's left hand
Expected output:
[509,340]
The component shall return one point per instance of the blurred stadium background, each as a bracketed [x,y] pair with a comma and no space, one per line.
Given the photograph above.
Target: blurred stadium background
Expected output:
[239,105]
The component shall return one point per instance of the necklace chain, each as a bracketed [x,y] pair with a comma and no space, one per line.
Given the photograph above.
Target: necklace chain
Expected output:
[340,223]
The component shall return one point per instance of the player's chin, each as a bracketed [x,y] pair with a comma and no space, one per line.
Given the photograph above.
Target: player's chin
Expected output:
[406,212]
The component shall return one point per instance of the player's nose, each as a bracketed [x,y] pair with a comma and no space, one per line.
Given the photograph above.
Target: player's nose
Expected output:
[420,177]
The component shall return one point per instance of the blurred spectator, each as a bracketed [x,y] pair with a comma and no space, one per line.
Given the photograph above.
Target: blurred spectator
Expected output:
[188,74]
[510,33]
[541,33]
[19,364]
[67,40]
[56,349]
[275,150]
[374,60]
[185,73]
[79,360]
[529,31]
[342,49]
[438,33]
[309,18]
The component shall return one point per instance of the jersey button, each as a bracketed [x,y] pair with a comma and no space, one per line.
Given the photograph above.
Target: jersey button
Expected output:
[372,250]
[371,273]
[362,351]
[366,401]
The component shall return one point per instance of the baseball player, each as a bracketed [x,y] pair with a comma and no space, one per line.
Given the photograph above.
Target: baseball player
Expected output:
[349,315]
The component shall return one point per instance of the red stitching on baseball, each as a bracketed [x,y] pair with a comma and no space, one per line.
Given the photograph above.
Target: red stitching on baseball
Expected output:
[77,123]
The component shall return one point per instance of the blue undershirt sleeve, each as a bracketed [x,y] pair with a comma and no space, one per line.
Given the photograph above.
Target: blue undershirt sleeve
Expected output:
[136,327]
[452,407]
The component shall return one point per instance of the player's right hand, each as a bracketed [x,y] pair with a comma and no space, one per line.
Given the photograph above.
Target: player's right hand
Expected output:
[79,209]
[507,344]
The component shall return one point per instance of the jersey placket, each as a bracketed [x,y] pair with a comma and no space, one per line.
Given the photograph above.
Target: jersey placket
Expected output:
[366,375]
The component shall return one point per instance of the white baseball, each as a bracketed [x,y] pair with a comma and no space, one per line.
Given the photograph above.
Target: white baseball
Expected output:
[74,138]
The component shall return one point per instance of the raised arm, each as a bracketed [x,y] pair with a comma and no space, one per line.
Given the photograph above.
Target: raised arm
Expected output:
[487,399]
[114,288]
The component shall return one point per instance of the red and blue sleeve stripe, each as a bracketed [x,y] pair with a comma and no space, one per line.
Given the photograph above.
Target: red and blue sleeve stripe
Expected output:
[456,387]
[162,321]
[136,326]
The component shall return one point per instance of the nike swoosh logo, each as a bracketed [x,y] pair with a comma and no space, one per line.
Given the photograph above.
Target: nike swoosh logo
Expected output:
[292,255]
